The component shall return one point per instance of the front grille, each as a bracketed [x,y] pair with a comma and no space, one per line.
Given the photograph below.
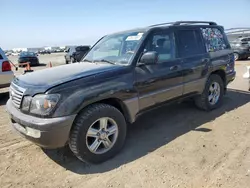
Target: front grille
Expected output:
[16,95]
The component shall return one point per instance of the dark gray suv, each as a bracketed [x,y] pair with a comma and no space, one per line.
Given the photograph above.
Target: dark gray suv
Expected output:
[75,53]
[241,47]
[89,104]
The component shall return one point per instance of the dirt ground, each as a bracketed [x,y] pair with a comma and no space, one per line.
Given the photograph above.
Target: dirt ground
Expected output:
[174,146]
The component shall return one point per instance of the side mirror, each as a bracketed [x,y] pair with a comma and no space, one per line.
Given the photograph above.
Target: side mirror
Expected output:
[149,58]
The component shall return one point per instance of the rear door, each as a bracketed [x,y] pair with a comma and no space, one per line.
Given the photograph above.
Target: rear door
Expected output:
[195,59]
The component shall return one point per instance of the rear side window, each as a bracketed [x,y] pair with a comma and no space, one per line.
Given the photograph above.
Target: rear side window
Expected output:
[214,39]
[189,43]
[1,57]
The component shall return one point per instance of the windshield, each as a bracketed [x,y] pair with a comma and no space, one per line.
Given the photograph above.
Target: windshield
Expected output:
[116,49]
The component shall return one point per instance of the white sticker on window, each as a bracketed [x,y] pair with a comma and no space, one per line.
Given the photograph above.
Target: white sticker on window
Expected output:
[137,37]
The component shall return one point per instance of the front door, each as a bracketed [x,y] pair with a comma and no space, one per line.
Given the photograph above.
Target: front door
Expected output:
[157,83]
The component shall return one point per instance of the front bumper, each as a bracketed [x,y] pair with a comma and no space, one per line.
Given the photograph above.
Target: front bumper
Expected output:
[46,132]
[244,52]
[230,77]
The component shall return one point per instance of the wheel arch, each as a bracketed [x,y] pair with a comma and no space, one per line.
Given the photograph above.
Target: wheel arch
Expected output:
[115,102]
[222,74]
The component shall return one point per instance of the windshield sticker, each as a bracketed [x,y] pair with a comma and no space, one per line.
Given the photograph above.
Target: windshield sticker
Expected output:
[137,37]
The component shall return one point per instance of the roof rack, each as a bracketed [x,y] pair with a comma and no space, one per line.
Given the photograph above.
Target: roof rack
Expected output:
[185,23]
[168,23]
[194,22]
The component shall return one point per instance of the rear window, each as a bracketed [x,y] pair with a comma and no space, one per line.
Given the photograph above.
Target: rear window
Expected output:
[245,40]
[189,43]
[24,54]
[214,39]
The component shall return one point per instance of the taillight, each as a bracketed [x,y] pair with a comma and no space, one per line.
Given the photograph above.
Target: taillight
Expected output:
[6,66]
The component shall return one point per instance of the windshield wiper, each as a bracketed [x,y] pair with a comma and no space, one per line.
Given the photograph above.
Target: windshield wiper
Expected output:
[86,60]
[106,61]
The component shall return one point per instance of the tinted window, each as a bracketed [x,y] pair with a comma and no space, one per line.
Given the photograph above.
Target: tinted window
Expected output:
[163,44]
[82,48]
[214,39]
[245,39]
[189,44]
[27,54]
[72,49]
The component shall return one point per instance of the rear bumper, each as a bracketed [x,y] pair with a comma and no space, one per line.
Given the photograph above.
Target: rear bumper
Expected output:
[4,85]
[46,132]
[6,78]
[32,61]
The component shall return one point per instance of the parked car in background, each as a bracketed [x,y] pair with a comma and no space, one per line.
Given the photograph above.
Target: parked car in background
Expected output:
[44,52]
[31,57]
[8,53]
[75,53]
[88,105]
[6,74]
[15,53]
[241,47]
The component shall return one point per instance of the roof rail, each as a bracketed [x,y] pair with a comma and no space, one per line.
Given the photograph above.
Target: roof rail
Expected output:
[184,22]
[167,23]
[194,22]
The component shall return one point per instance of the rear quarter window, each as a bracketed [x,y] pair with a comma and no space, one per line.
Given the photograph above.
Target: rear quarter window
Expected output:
[214,39]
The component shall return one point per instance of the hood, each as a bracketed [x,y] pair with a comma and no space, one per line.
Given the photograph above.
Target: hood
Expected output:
[64,73]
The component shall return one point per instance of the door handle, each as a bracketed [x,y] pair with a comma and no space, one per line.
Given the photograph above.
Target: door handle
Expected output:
[175,67]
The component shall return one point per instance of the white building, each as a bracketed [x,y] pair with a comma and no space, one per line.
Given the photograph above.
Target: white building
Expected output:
[20,49]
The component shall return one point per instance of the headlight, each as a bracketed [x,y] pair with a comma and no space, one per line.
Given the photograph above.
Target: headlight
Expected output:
[26,103]
[43,104]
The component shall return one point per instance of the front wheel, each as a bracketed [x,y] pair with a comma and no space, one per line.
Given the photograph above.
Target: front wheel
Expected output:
[236,56]
[212,95]
[98,133]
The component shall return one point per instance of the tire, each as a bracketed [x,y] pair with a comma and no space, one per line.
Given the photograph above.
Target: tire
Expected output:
[72,60]
[66,62]
[80,144]
[203,102]
[236,56]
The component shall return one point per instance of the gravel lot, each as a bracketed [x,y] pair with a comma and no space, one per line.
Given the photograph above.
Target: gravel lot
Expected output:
[174,146]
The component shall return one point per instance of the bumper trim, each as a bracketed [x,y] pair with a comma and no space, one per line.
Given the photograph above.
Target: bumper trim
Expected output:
[45,132]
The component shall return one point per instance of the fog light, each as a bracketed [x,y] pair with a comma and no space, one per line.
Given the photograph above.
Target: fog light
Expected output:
[33,132]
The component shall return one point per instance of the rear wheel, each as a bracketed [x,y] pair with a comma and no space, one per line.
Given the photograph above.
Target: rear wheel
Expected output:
[98,133]
[212,95]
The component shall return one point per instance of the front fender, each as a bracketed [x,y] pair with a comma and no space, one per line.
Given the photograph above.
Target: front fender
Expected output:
[77,97]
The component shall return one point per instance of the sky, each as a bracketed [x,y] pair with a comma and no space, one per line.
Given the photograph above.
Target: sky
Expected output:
[37,23]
